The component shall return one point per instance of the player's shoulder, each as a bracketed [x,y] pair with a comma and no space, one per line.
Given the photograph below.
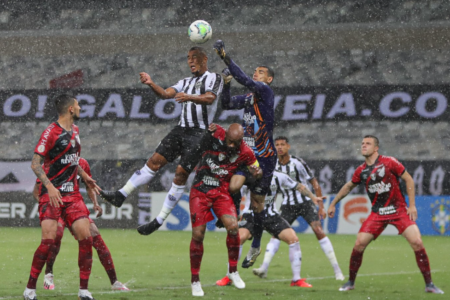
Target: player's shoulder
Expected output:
[246,149]
[361,167]
[388,160]
[298,160]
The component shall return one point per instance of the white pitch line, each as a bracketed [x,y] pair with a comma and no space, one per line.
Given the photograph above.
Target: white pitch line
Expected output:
[211,285]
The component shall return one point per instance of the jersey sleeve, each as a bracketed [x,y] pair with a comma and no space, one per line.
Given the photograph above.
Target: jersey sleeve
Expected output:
[286,181]
[245,80]
[214,83]
[178,87]
[250,158]
[303,171]
[356,179]
[46,141]
[85,166]
[396,167]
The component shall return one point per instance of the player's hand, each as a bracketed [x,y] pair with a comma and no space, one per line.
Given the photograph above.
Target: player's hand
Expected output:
[99,210]
[412,213]
[331,210]
[54,195]
[226,75]
[255,171]
[145,78]
[219,47]
[182,97]
[212,127]
[91,183]
[322,213]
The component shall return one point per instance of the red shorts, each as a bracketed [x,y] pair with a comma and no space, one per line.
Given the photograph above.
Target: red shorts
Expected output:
[68,211]
[375,224]
[200,205]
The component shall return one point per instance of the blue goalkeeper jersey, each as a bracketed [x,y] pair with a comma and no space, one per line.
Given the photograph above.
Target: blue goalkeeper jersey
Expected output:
[259,114]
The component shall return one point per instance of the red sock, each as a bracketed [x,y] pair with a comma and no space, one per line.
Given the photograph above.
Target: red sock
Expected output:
[233,242]
[105,257]
[39,259]
[424,264]
[85,261]
[54,250]
[355,263]
[196,254]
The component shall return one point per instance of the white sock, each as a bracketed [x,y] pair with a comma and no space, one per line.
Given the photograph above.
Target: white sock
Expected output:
[172,198]
[295,256]
[271,249]
[139,178]
[327,248]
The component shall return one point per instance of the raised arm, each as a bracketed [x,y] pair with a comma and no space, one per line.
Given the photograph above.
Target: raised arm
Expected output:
[168,93]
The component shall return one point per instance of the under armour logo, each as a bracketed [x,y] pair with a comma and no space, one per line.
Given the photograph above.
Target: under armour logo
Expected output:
[138,172]
[172,198]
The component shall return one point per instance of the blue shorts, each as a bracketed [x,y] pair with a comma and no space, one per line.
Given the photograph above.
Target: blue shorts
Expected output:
[261,186]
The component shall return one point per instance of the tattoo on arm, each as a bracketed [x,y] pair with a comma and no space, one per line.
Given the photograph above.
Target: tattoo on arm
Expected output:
[36,166]
[305,191]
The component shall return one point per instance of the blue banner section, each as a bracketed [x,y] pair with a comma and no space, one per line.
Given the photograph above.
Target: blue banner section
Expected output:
[434,215]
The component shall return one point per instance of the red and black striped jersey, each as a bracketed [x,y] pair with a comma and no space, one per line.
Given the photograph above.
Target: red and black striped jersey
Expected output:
[61,152]
[382,182]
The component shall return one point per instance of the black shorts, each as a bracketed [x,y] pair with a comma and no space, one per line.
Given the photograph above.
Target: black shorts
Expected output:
[184,142]
[307,210]
[272,224]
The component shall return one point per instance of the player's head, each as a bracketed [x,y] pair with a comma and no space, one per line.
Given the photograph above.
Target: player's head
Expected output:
[233,138]
[264,74]
[197,60]
[370,145]
[67,104]
[282,145]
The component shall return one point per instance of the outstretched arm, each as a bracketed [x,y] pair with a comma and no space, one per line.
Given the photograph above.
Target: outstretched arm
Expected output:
[345,190]
[159,91]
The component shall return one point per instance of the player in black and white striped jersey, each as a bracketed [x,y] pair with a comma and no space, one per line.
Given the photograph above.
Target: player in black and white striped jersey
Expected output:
[198,95]
[295,204]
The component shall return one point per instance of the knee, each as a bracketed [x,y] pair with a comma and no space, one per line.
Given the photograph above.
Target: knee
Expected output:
[232,228]
[416,244]
[198,236]
[181,176]
[233,189]
[360,246]
[154,163]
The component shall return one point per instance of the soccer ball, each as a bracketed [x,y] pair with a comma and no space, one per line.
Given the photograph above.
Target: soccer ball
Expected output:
[200,31]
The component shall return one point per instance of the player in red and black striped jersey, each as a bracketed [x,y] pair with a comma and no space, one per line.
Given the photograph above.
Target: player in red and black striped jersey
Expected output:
[98,243]
[55,163]
[381,175]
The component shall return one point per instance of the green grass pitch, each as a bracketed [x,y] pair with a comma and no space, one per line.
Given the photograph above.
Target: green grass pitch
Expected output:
[157,267]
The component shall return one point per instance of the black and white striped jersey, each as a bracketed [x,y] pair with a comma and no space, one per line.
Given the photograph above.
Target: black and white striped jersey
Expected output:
[280,182]
[199,115]
[299,171]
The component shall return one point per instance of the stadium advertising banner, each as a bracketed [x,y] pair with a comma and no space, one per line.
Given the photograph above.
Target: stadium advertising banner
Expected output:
[295,104]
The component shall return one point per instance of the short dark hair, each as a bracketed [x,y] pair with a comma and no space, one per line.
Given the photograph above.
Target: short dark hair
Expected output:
[270,71]
[199,49]
[282,138]
[377,141]
[62,102]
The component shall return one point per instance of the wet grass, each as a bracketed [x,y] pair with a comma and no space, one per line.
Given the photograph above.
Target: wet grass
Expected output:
[157,267]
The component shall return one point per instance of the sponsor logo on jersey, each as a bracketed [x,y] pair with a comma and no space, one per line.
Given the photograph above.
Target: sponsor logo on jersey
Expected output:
[249,141]
[215,168]
[249,118]
[379,188]
[67,187]
[211,181]
[388,210]
[198,85]
[72,142]
[71,159]
[64,142]
[41,148]
[222,156]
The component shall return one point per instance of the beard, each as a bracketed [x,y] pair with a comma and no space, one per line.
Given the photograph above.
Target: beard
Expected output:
[75,117]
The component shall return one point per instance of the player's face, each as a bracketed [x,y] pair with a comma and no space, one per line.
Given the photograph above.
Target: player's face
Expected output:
[75,110]
[282,147]
[368,147]
[261,74]
[233,145]
[197,62]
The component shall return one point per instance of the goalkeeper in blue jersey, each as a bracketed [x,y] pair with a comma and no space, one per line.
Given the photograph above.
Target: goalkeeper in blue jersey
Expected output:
[258,123]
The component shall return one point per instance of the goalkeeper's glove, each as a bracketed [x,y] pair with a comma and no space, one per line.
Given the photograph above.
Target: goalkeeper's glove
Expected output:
[226,75]
[219,47]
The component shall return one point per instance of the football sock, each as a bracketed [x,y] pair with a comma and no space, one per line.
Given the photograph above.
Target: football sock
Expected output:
[54,250]
[240,253]
[271,249]
[355,263]
[196,254]
[327,248]
[85,261]
[233,246]
[105,257]
[295,257]
[424,264]
[172,198]
[139,178]
[39,259]
[258,229]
